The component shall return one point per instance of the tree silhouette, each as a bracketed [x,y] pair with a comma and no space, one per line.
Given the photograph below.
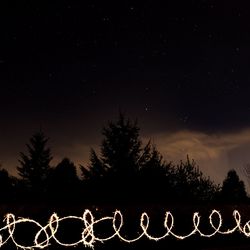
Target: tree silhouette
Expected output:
[190,183]
[233,189]
[34,166]
[121,161]
[120,151]
[154,175]
[64,183]
[121,146]
[96,170]
[6,185]
[138,172]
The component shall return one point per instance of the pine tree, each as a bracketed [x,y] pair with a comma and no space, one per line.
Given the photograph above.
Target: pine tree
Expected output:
[6,185]
[123,165]
[95,170]
[34,166]
[153,175]
[233,189]
[121,147]
[120,152]
[63,181]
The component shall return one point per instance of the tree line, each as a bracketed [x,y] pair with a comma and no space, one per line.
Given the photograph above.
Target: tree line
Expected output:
[125,171]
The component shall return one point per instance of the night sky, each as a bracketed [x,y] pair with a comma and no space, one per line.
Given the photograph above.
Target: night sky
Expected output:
[180,67]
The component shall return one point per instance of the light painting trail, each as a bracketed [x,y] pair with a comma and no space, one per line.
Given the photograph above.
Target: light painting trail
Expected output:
[47,235]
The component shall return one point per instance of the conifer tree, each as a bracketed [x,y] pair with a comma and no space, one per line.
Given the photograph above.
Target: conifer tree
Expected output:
[35,165]
[233,189]
[120,152]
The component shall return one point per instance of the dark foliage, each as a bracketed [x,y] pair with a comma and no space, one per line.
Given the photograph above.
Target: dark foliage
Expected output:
[233,189]
[63,181]
[139,173]
[125,172]
[6,185]
[189,183]
[34,166]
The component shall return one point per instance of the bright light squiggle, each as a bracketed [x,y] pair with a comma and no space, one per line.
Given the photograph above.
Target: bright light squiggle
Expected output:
[89,239]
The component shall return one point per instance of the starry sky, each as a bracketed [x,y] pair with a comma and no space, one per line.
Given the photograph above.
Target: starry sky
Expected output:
[180,67]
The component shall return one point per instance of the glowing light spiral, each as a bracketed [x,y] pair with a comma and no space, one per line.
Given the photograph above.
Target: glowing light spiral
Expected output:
[89,238]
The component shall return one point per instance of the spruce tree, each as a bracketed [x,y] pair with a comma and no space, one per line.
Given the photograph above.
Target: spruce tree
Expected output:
[121,146]
[35,165]
[233,189]
[124,167]
[120,152]
[63,181]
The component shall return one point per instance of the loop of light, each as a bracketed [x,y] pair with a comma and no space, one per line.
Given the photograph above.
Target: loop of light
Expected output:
[48,233]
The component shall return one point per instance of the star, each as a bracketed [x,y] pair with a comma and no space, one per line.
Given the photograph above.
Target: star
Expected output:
[146,109]
[106,19]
